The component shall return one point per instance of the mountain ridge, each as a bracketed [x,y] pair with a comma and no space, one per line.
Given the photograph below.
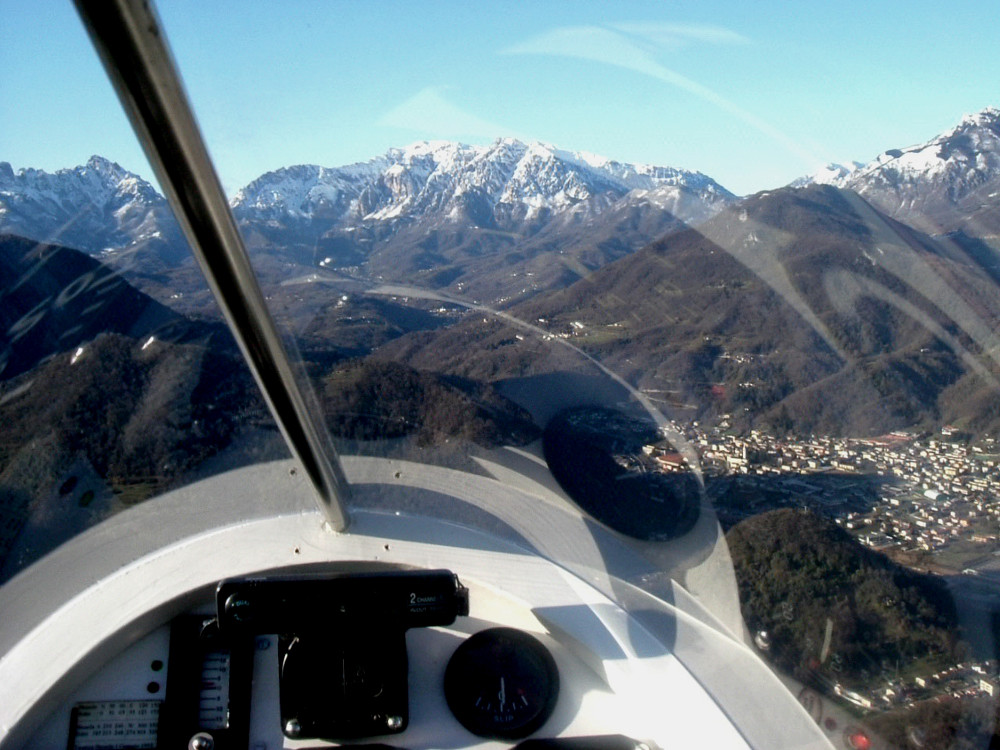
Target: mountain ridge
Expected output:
[798,310]
[433,174]
[948,183]
[482,219]
[93,207]
[496,224]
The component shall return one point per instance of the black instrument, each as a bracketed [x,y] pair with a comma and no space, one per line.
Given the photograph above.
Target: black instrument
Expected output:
[342,653]
[501,683]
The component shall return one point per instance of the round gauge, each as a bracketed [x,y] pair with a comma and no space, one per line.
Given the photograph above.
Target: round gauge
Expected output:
[501,683]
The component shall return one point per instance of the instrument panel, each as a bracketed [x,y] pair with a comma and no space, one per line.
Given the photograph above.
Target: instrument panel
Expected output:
[336,669]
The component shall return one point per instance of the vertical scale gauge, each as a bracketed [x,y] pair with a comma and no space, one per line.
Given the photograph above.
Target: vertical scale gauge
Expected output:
[208,693]
[501,683]
[213,698]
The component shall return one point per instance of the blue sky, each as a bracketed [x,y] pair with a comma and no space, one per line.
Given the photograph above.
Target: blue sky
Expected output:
[753,94]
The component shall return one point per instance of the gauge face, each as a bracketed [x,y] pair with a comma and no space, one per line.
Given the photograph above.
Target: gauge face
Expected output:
[501,683]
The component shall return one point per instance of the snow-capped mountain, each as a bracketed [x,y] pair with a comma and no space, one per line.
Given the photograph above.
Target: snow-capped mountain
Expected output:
[437,213]
[501,185]
[950,182]
[480,218]
[94,207]
[830,174]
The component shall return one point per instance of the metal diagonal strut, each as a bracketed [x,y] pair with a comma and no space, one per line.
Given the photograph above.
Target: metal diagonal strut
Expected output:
[131,43]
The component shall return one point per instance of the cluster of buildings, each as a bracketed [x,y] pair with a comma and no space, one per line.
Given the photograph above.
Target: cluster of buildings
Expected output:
[898,491]
[962,680]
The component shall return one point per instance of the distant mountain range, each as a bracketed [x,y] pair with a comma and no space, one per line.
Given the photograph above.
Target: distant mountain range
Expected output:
[819,308]
[497,223]
[96,207]
[502,186]
[483,218]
